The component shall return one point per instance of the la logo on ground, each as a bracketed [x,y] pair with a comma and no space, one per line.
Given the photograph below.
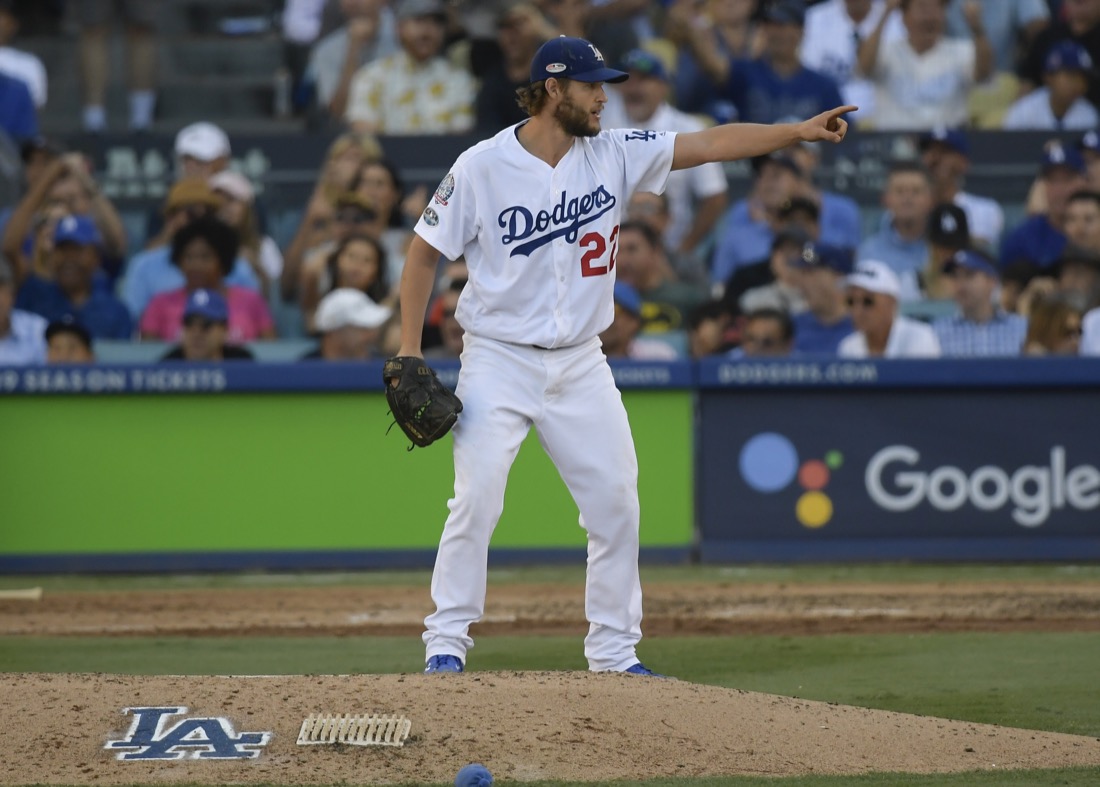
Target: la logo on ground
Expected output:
[152,736]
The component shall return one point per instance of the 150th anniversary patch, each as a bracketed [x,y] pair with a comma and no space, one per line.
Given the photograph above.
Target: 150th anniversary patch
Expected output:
[445,190]
[153,735]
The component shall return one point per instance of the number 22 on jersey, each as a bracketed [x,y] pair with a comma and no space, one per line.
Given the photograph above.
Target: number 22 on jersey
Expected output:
[594,245]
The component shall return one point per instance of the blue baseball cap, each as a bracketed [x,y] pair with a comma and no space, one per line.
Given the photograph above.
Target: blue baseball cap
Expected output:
[628,298]
[572,58]
[1067,56]
[645,63]
[1090,141]
[822,256]
[80,230]
[948,137]
[786,12]
[971,260]
[1055,154]
[208,304]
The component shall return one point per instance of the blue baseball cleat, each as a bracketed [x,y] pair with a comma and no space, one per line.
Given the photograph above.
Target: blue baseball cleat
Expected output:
[641,669]
[444,663]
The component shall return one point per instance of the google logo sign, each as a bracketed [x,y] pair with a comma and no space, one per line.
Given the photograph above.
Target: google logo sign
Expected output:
[769,463]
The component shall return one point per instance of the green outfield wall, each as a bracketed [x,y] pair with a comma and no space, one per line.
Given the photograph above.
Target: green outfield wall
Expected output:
[291,472]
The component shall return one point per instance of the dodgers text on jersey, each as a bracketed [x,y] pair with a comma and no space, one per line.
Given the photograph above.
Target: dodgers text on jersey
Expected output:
[567,218]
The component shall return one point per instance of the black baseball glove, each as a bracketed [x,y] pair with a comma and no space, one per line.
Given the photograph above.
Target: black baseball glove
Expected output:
[423,407]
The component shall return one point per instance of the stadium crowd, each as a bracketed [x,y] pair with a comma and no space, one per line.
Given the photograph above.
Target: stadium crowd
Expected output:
[788,269]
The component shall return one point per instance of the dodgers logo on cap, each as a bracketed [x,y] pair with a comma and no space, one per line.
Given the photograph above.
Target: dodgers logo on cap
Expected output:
[572,58]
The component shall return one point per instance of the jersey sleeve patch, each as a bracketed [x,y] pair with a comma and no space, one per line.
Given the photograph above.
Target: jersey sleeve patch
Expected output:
[431,218]
[446,189]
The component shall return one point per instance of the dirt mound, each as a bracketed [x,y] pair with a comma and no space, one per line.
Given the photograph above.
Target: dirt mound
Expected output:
[524,726]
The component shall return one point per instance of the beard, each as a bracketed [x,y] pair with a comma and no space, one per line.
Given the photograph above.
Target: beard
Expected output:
[574,120]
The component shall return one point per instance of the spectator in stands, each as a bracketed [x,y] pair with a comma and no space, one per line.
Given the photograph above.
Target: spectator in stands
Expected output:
[872,291]
[520,31]
[450,332]
[748,225]
[301,27]
[770,283]
[980,328]
[1079,21]
[901,242]
[238,210]
[766,333]
[35,154]
[924,80]
[354,216]
[735,35]
[621,339]
[342,166]
[139,17]
[696,196]
[1054,327]
[1078,275]
[819,272]
[205,251]
[202,150]
[1060,105]
[948,234]
[359,263]
[67,341]
[1089,342]
[776,87]
[18,117]
[707,326]
[841,224]
[1040,239]
[379,184]
[66,183]
[368,34]
[643,263]
[946,155]
[417,90]
[24,66]
[70,288]
[1083,220]
[350,324]
[1010,26]
[22,334]
[152,272]
[205,332]
[830,45]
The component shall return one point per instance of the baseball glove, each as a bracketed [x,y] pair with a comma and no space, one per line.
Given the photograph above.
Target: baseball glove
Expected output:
[423,407]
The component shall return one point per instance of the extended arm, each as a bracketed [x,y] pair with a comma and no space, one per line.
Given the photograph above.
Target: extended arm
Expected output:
[747,140]
[417,280]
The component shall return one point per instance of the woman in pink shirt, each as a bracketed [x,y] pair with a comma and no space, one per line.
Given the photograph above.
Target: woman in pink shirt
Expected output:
[205,251]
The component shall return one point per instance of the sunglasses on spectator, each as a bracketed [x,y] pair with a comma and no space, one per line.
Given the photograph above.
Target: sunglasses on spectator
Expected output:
[867,301]
[1072,331]
[201,323]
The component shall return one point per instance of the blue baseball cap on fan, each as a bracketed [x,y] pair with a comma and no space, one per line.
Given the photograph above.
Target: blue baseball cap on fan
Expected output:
[572,58]
[208,304]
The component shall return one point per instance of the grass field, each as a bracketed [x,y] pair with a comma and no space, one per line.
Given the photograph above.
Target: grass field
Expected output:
[1044,681]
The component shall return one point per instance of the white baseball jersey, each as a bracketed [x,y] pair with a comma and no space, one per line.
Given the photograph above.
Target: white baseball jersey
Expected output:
[540,241]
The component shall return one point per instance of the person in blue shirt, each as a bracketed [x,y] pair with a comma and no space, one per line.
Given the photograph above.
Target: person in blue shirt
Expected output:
[151,272]
[1041,239]
[74,261]
[18,117]
[776,87]
[901,241]
[980,328]
[819,277]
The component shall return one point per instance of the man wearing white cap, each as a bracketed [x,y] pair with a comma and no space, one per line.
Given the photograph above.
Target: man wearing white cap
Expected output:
[872,291]
[202,150]
[350,324]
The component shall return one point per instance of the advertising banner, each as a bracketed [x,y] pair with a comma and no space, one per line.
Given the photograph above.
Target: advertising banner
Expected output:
[858,473]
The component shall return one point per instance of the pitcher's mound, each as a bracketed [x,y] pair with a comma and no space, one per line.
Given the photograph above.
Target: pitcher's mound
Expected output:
[557,726]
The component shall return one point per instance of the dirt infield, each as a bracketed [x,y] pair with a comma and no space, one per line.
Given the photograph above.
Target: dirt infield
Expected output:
[524,726]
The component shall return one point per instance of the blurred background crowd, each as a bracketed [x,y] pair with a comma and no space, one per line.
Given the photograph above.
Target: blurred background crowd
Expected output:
[764,261]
